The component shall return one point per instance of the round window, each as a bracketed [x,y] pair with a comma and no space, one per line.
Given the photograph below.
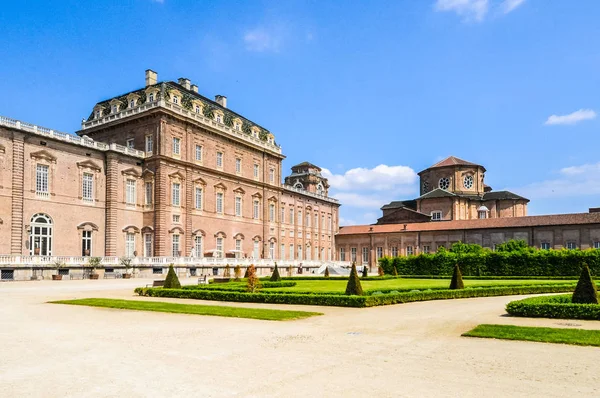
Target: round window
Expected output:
[444,183]
[468,182]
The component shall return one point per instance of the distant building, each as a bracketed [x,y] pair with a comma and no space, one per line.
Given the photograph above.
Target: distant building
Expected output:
[456,205]
[160,171]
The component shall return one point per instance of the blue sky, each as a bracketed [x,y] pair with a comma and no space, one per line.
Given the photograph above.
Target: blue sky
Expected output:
[371,91]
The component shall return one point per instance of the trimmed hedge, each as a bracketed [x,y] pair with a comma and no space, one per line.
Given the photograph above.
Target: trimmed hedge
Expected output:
[526,263]
[553,307]
[487,277]
[236,286]
[341,300]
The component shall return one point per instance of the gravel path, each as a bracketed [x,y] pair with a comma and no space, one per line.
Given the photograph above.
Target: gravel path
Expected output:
[408,350]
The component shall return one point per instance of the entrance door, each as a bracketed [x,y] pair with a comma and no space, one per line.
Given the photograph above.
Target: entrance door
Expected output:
[40,240]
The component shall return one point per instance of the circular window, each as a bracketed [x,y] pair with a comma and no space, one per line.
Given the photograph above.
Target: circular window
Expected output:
[468,182]
[444,183]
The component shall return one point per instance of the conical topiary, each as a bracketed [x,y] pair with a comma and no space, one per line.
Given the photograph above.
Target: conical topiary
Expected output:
[237,272]
[395,271]
[246,272]
[253,283]
[326,275]
[172,281]
[586,291]
[275,277]
[457,281]
[354,287]
[380,271]
[227,272]
[365,271]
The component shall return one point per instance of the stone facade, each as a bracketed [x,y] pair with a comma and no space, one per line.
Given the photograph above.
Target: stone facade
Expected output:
[167,178]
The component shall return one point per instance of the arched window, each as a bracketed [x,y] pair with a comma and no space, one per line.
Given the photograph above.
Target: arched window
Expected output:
[40,239]
[320,189]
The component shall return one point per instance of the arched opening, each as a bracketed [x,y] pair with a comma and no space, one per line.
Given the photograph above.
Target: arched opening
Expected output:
[40,239]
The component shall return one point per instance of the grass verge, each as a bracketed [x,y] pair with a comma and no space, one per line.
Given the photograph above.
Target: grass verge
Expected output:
[194,309]
[542,335]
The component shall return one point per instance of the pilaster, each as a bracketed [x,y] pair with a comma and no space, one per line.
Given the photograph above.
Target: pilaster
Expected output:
[112,200]
[160,208]
[16,233]
[187,211]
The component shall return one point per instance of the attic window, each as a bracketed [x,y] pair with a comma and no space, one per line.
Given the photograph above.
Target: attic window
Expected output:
[219,119]
[175,99]
[151,97]
[197,109]
[237,126]
[132,104]
[97,115]
[436,215]
[115,109]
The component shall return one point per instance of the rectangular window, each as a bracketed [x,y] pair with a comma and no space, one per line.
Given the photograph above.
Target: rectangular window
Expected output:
[299,252]
[147,245]
[299,217]
[255,210]
[130,192]
[41,179]
[291,251]
[282,215]
[256,171]
[282,252]
[353,254]
[175,252]
[129,244]
[238,166]
[176,218]
[271,250]
[176,146]
[198,198]
[545,246]
[220,159]
[86,243]
[271,175]
[291,233]
[176,199]
[219,203]
[394,251]
[342,254]
[571,245]
[379,252]
[157,270]
[238,206]
[409,250]
[238,248]
[255,249]
[283,232]
[365,255]
[426,249]
[130,143]
[436,215]
[316,221]
[271,212]
[149,144]
[88,187]
[307,220]
[148,193]
[291,216]
[198,153]
[597,245]
[198,250]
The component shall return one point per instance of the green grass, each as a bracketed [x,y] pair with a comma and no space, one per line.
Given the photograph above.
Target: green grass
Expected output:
[337,286]
[543,335]
[175,308]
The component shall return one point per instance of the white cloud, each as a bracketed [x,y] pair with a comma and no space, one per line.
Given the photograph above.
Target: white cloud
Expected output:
[380,178]
[571,118]
[468,9]
[510,5]
[263,39]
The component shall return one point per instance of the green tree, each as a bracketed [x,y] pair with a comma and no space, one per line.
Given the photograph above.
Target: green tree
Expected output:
[172,281]
[457,281]
[237,272]
[253,284]
[354,287]
[246,272]
[326,275]
[586,291]
[513,246]
[463,248]
[275,277]
[380,271]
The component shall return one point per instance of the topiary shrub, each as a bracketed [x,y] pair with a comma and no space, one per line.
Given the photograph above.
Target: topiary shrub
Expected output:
[326,275]
[237,273]
[586,291]
[380,271]
[354,287]
[227,272]
[275,277]
[457,281]
[171,281]
[247,269]
[365,272]
[253,284]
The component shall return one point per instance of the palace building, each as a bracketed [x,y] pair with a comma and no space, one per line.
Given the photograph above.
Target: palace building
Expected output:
[456,205]
[161,171]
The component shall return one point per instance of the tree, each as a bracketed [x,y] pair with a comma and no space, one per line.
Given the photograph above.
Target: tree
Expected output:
[237,272]
[253,284]
[326,275]
[380,270]
[457,281]
[172,281]
[365,271]
[513,246]
[586,291]
[354,287]
[246,272]
[227,272]
[462,248]
[275,277]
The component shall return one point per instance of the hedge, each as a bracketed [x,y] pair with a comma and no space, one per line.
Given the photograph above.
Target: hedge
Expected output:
[553,307]
[241,287]
[523,263]
[341,300]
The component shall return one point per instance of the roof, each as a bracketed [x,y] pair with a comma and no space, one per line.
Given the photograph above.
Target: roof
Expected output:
[397,204]
[453,161]
[502,195]
[437,193]
[506,222]
[306,164]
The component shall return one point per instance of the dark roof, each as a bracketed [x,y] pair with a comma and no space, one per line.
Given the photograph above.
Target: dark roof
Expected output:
[397,204]
[502,195]
[306,164]
[453,161]
[505,222]
[437,193]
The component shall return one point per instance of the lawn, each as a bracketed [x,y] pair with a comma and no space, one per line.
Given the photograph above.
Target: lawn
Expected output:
[544,335]
[175,308]
[339,286]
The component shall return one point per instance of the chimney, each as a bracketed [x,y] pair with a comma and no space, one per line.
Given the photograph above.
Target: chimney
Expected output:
[185,82]
[151,77]
[194,88]
[221,100]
